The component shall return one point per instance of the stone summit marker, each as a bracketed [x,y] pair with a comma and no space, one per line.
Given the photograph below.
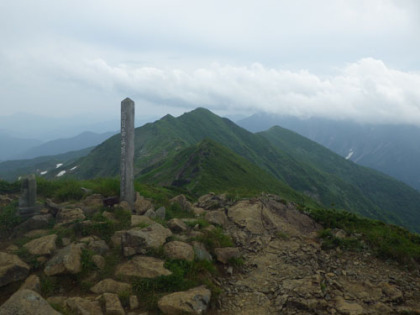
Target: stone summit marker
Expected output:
[127,192]
[27,200]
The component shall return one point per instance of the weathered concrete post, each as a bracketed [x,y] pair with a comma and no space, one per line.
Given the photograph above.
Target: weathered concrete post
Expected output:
[127,152]
[27,200]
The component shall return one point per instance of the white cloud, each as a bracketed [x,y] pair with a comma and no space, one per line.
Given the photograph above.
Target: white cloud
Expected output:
[67,57]
[367,90]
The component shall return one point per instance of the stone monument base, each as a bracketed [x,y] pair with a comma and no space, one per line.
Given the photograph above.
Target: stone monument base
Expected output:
[27,212]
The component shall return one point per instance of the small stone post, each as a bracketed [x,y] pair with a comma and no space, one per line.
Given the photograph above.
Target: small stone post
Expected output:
[27,200]
[127,152]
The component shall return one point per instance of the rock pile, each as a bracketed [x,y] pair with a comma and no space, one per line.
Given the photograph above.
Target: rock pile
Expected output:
[274,265]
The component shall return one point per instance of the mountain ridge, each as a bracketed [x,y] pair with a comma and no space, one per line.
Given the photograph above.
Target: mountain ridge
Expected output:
[163,139]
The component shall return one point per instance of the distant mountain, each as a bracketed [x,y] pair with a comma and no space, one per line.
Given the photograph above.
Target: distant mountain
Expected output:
[23,125]
[46,166]
[391,149]
[84,140]
[11,145]
[159,157]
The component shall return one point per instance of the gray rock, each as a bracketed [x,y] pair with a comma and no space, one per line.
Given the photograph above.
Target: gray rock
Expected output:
[193,301]
[26,302]
[201,252]
[141,220]
[183,202]
[52,207]
[226,253]
[32,283]
[137,241]
[216,217]
[37,222]
[211,201]
[98,246]
[143,267]
[65,216]
[12,269]
[142,205]
[150,213]
[83,306]
[161,213]
[112,304]
[67,260]
[116,238]
[111,286]
[179,250]
[42,246]
[99,261]
[177,225]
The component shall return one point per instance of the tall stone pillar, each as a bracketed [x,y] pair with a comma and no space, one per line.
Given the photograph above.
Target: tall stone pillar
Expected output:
[127,152]
[27,200]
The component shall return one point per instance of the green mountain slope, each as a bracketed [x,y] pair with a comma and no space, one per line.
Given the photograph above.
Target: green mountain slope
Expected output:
[159,142]
[384,191]
[12,170]
[209,166]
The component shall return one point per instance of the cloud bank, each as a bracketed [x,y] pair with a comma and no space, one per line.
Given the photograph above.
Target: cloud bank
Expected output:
[365,91]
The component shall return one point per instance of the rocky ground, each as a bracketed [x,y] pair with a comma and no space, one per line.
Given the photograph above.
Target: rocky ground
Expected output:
[274,266]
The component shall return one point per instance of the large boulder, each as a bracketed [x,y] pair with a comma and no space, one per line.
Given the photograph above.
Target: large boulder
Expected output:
[67,260]
[42,246]
[110,286]
[83,306]
[27,302]
[12,269]
[32,283]
[36,222]
[139,240]
[143,267]
[143,220]
[182,201]
[93,201]
[65,216]
[141,204]
[179,250]
[211,201]
[217,217]
[193,301]
[200,251]
[252,216]
[225,254]
[177,225]
[112,304]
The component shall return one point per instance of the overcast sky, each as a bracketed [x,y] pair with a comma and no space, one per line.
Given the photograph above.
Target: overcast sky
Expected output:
[344,59]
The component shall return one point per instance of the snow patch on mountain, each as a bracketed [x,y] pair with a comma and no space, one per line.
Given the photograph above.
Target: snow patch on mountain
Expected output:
[61,173]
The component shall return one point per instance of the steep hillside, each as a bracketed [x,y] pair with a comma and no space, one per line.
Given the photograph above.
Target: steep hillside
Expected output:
[384,191]
[391,149]
[160,141]
[209,166]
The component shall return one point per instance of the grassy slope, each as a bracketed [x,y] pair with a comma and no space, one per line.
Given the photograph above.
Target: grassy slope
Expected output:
[209,166]
[385,192]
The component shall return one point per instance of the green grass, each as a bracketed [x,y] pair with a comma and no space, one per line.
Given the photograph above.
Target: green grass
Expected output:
[9,219]
[386,241]
[215,238]
[9,188]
